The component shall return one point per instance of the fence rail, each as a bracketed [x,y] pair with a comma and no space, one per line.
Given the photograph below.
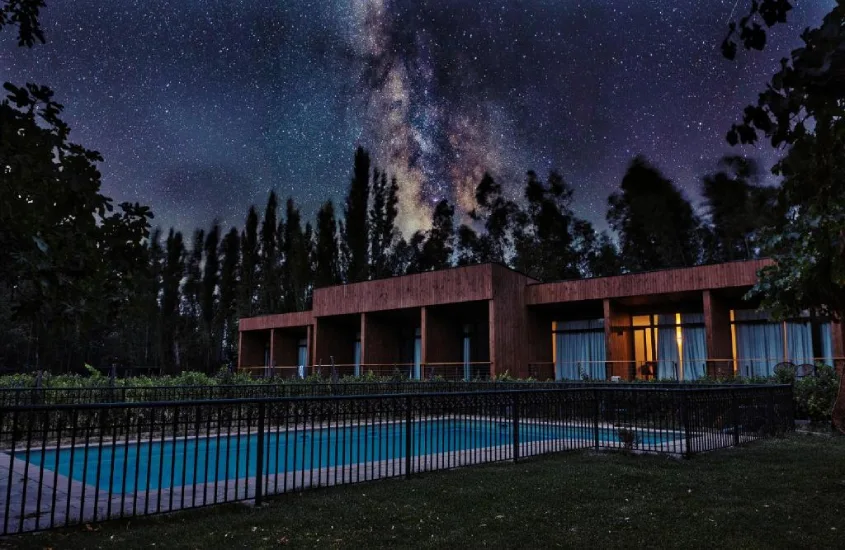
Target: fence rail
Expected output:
[68,464]
[137,394]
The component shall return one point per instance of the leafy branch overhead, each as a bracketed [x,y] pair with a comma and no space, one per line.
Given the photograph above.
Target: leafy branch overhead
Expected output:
[23,14]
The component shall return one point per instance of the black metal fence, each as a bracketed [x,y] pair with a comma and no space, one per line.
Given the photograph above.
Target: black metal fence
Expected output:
[142,394]
[67,464]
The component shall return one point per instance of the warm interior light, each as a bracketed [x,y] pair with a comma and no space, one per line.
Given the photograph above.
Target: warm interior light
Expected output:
[679,337]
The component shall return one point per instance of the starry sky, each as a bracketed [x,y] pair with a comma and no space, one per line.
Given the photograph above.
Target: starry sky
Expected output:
[201,107]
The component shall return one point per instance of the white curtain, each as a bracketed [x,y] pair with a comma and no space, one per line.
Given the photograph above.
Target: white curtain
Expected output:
[759,346]
[357,357]
[302,360]
[580,352]
[827,343]
[694,346]
[799,342]
[667,348]
[467,359]
[417,357]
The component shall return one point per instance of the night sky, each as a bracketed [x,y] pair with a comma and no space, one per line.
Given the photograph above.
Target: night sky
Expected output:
[201,107]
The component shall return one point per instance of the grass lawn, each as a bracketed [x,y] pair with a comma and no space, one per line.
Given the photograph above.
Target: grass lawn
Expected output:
[785,493]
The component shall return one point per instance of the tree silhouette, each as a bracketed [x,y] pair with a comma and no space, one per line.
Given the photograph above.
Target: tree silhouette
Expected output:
[801,111]
[738,208]
[544,245]
[383,231]
[269,289]
[172,273]
[656,225]
[228,308]
[209,299]
[327,270]
[24,15]
[355,229]
[496,215]
[250,257]
[436,251]
[296,271]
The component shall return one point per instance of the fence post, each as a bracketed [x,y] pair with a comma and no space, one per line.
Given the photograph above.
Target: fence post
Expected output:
[685,421]
[408,435]
[259,457]
[515,408]
[596,414]
[735,417]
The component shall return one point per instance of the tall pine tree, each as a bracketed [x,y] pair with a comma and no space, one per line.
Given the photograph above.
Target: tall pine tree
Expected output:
[326,267]
[249,266]
[173,269]
[269,288]
[296,272]
[209,306]
[228,310]
[383,231]
[355,229]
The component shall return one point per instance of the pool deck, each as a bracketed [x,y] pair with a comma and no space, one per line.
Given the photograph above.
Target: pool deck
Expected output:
[23,509]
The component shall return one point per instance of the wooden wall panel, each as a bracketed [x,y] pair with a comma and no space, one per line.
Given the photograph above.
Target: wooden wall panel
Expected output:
[509,323]
[333,338]
[381,340]
[252,347]
[280,320]
[539,324]
[717,328]
[728,275]
[442,337]
[619,343]
[460,284]
[285,347]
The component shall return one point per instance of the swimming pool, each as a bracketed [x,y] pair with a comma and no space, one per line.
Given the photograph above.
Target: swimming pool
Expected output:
[128,467]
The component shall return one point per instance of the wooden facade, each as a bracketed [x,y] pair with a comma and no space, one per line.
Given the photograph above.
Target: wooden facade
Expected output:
[496,319]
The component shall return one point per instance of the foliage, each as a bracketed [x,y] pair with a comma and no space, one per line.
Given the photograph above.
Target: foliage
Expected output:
[355,229]
[23,14]
[815,395]
[750,32]
[544,240]
[628,438]
[656,225]
[737,206]
[326,266]
[801,110]
[72,260]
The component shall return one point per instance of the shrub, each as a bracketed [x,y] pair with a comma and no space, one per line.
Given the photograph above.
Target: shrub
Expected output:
[815,395]
[628,438]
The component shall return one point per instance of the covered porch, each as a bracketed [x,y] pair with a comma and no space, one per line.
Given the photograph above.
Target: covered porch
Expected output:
[456,341]
[392,343]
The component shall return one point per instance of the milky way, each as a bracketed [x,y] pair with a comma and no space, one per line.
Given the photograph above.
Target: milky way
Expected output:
[201,107]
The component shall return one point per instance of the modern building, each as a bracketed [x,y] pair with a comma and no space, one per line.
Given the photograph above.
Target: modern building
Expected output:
[484,320]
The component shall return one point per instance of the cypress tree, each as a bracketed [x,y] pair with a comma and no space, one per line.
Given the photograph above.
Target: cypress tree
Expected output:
[210,279]
[355,230]
[296,270]
[172,271]
[270,289]
[228,310]
[327,270]
[249,265]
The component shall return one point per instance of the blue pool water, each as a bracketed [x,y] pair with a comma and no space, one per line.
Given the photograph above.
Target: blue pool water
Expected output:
[130,467]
